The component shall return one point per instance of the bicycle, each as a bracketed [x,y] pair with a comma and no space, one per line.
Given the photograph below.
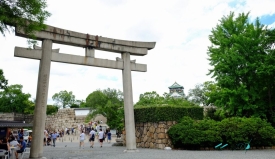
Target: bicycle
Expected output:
[242,146]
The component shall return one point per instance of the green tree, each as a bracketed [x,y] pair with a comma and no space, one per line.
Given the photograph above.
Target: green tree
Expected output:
[3,81]
[63,99]
[13,99]
[29,108]
[154,99]
[242,56]
[28,15]
[51,109]
[150,98]
[200,94]
[109,103]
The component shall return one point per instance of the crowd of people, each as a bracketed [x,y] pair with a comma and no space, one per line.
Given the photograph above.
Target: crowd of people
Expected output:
[15,141]
[94,130]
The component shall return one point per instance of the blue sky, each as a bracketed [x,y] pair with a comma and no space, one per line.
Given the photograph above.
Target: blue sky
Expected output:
[267,19]
[180,29]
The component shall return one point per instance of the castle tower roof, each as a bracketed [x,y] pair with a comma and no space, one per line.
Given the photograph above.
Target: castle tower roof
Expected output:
[175,85]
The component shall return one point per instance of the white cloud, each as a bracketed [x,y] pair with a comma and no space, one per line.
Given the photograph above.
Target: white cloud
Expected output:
[180,28]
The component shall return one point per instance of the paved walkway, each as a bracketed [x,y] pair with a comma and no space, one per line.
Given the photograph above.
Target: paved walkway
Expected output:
[70,150]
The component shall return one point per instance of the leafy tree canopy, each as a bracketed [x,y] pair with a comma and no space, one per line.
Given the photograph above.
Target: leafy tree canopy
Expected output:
[13,99]
[64,99]
[51,109]
[3,81]
[153,99]
[242,56]
[200,94]
[28,15]
[109,103]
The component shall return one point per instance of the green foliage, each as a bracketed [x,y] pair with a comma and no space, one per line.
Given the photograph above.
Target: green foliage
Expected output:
[200,94]
[154,99]
[63,99]
[51,109]
[242,55]
[166,113]
[30,107]
[28,15]
[80,103]
[235,130]
[13,99]
[3,80]
[150,98]
[109,103]
[192,134]
[74,106]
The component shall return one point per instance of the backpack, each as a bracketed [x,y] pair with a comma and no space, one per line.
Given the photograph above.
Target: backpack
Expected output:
[92,137]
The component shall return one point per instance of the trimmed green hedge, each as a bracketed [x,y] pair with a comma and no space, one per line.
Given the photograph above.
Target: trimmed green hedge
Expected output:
[166,113]
[193,134]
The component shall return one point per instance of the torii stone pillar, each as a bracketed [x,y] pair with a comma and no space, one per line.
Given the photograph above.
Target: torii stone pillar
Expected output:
[41,100]
[128,103]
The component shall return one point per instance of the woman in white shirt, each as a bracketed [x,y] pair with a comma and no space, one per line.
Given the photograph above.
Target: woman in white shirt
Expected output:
[101,137]
[82,138]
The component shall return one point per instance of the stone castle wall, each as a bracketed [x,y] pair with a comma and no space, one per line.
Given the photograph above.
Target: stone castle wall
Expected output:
[28,118]
[153,135]
[64,118]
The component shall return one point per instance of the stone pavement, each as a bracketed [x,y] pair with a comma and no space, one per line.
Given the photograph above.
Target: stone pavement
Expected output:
[70,150]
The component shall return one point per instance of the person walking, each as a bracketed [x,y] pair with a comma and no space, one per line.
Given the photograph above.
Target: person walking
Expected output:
[82,138]
[92,138]
[101,137]
[54,136]
[109,136]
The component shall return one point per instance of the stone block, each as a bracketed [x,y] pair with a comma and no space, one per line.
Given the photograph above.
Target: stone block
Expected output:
[160,125]
[155,136]
[160,146]
[146,145]
[164,141]
[137,134]
[151,145]
[145,138]
[169,123]
[161,135]
[158,141]
[151,135]
[142,144]
[162,130]
[152,129]
[158,130]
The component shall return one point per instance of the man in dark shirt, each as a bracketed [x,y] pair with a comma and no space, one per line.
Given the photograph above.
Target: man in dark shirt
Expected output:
[22,147]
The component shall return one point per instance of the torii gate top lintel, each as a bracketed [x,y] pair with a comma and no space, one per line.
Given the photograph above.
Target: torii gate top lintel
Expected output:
[67,37]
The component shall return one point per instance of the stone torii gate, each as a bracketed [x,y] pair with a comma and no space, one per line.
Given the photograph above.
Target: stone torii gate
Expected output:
[90,43]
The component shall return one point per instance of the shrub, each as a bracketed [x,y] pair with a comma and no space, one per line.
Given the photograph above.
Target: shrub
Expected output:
[235,130]
[166,113]
[191,134]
